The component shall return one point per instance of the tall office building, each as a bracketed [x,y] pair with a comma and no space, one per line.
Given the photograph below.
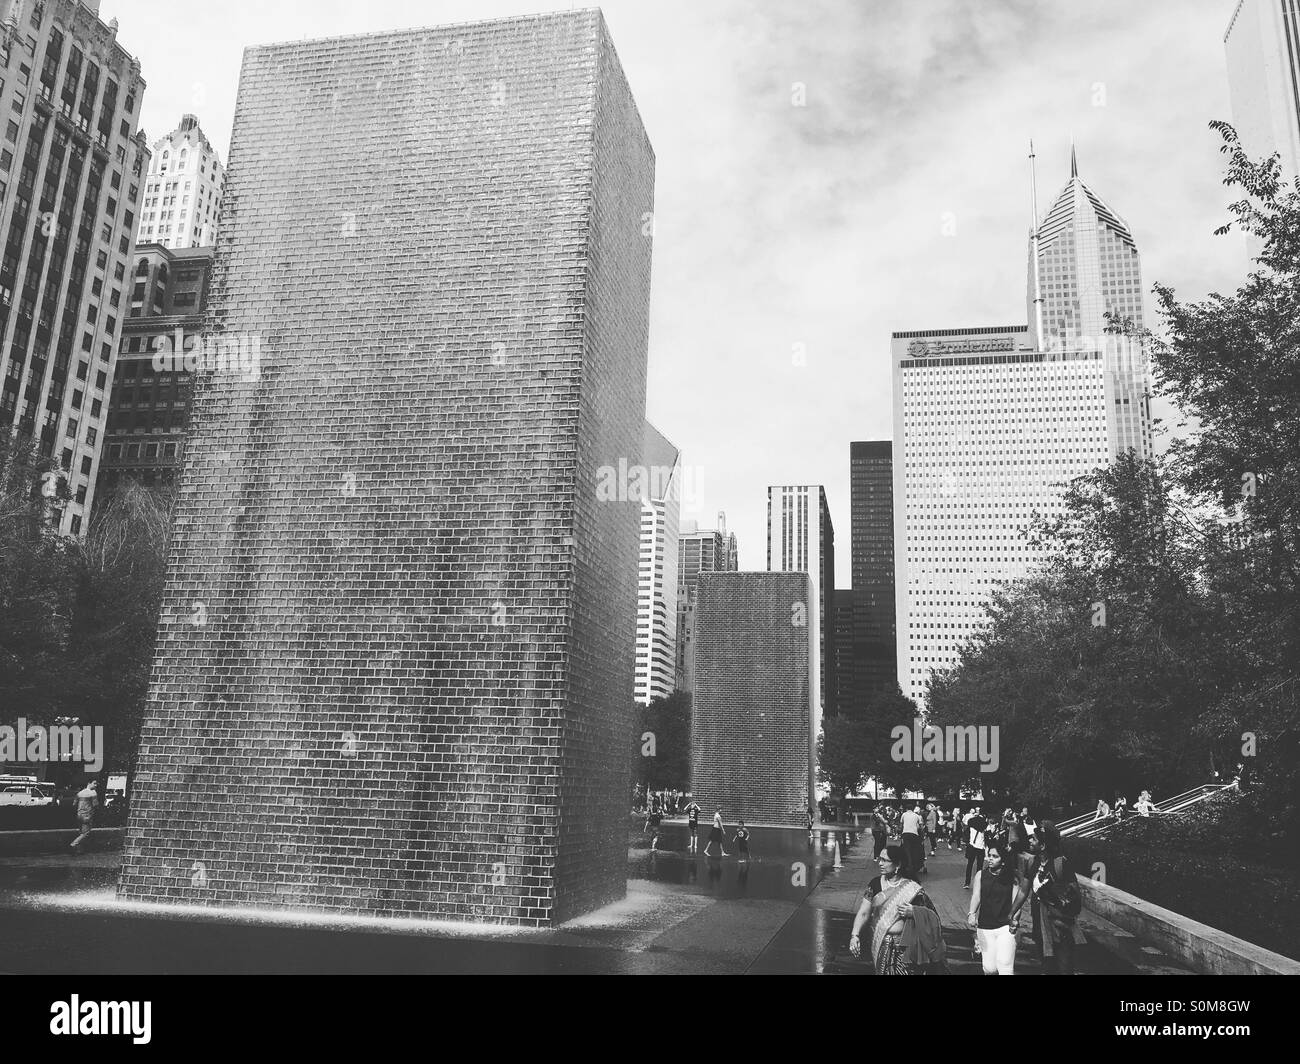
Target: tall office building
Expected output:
[874,657]
[1263,51]
[699,551]
[656,610]
[407,691]
[182,195]
[71,165]
[844,698]
[991,425]
[1088,267]
[148,410]
[801,539]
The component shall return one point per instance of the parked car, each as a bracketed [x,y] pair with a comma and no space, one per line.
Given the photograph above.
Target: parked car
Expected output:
[25,794]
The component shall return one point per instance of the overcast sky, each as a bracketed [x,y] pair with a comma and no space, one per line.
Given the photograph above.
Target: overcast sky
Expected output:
[823,225]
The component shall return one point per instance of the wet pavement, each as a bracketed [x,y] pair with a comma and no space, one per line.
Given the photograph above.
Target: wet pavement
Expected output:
[788,910]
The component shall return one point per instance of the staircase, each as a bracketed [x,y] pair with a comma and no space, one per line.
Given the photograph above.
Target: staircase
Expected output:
[1088,825]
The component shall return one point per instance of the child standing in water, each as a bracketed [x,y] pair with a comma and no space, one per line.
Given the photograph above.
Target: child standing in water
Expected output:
[741,842]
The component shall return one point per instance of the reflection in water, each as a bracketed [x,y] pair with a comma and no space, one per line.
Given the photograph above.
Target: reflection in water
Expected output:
[782,865]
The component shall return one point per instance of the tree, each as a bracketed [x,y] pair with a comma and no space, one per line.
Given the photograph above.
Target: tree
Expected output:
[122,569]
[37,585]
[661,743]
[846,750]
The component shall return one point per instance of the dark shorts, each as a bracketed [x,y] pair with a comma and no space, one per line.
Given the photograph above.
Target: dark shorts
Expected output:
[694,828]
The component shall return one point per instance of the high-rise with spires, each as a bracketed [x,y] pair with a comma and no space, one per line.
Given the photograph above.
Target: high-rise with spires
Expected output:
[182,199]
[991,424]
[1090,278]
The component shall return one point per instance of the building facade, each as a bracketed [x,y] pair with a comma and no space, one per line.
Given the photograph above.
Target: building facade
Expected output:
[148,410]
[182,195]
[1262,43]
[699,551]
[874,658]
[656,607]
[416,641]
[753,733]
[1088,275]
[71,169]
[801,539]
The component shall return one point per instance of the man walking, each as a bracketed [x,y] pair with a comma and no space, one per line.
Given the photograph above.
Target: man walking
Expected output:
[912,824]
[975,827]
[87,799]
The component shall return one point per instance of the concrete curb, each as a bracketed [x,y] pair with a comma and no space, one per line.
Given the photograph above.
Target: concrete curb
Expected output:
[56,840]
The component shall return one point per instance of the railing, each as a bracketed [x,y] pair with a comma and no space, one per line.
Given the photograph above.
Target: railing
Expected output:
[1089,824]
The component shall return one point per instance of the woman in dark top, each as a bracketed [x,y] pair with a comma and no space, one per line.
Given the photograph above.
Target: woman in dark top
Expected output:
[999,892]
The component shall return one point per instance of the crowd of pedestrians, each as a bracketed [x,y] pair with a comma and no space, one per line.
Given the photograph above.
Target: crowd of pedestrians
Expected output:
[1015,865]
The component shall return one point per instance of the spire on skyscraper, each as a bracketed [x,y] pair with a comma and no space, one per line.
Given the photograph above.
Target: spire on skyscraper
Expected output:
[1074,160]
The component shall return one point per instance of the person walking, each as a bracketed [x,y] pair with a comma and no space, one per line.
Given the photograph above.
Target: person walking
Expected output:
[932,825]
[889,903]
[995,903]
[879,832]
[912,826]
[716,835]
[955,829]
[692,812]
[87,800]
[1056,903]
[653,821]
[975,827]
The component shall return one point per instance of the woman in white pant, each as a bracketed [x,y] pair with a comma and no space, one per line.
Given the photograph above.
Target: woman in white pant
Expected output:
[997,895]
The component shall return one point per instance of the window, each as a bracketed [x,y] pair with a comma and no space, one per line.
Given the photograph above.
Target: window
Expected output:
[101,379]
[101,260]
[85,465]
[75,524]
[81,495]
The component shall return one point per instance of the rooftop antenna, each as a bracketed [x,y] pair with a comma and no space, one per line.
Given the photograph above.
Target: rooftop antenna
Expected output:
[722,521]
[1038,288]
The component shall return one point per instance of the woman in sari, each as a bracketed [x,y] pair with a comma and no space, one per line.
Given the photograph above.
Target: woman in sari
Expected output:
[887,905]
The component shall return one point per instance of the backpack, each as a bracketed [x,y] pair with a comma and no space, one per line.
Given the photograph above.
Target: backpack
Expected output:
[1061,893]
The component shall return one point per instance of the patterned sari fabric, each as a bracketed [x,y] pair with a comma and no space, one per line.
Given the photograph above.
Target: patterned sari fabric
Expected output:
[885,951]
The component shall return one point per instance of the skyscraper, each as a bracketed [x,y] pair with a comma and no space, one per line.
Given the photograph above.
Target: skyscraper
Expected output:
[1262,43]
[407,689]
[182,196]
[990,426]
[874,654]
[71,163]
[148,410]
[801,539]
[656,611]
[1088,267]
[699,551]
